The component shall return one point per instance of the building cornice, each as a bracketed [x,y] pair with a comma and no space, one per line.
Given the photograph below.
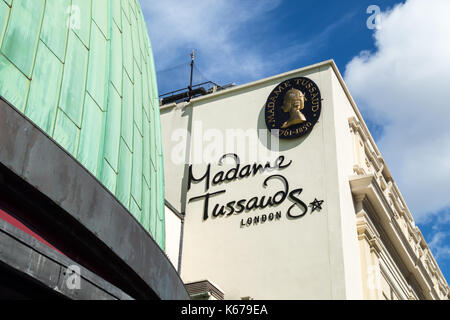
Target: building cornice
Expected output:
[395,201]
[366,230]
[367,186]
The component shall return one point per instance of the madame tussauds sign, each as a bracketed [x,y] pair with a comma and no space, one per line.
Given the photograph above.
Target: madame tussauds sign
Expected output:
[237,174]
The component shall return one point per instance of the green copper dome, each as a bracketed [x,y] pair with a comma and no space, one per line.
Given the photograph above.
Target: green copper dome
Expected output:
[83,71]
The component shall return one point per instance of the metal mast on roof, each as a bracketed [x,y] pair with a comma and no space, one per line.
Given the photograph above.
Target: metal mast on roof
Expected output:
[193,90]
[192,74]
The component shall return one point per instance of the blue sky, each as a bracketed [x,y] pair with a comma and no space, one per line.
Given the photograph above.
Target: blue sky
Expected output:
[399,75]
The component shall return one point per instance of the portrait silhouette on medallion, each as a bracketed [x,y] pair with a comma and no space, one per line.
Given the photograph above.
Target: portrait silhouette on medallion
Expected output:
[294,103]
[293,108]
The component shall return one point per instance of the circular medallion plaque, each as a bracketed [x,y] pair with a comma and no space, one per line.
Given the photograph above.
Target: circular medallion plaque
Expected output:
[293,108]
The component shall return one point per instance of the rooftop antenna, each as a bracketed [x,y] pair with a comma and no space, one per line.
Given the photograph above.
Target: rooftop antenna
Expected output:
[201,89]
[192,74]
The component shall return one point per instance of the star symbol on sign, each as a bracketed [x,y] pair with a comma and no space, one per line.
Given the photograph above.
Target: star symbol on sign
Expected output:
[316,205]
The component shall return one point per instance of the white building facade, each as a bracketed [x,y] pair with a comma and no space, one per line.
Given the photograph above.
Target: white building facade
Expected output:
[315,216]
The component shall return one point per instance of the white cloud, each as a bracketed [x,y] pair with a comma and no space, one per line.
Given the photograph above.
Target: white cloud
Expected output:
[216,29]
[439,246]
[236,41]
[405,86]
